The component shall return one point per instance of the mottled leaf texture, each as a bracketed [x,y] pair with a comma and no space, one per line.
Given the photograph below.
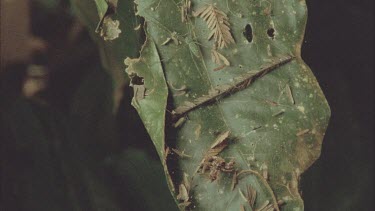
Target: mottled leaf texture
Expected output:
[241,124]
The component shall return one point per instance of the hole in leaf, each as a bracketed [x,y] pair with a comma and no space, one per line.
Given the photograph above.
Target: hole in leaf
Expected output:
[271,33]
[248,33]
[136,80]
[139,89]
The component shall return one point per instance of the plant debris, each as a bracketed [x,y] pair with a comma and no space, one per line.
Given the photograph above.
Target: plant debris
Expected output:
[302,132]
[110,29]
[181,153]
[218,58]
[220,139]
[218,23]
[185,10]
[138,27]
[264,169]
[166,153]
[234,181]
[179,122]
[173,38]
[278,113]
[183,192]
[139,91]
[290,94]
[215,165]
[251,196]
[263,207]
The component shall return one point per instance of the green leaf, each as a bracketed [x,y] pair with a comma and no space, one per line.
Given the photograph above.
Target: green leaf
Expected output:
[151,72]
[152,108]
[113,51]
[102,7]
[263,94]
[145,187]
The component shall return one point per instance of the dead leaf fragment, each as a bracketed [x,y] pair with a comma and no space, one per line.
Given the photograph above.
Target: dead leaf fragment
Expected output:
[302,132]
[290,94]
[179,122]
[218,23]
[220,139]
[234,181]
[181,153]
[166,41]
[139,91]
[110,29]
[218,58]
[183,193]
[251,196]
[138,27]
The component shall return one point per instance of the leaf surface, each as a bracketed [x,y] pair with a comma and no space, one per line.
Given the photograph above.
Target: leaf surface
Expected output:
[267,98]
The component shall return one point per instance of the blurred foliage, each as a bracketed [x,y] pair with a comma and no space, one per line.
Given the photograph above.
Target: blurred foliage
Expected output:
[48,5]
[64,148]
[71,160]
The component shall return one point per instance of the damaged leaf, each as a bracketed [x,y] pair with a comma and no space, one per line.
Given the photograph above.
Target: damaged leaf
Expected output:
[242,96]
[151,108]
[112,53]
[105,9]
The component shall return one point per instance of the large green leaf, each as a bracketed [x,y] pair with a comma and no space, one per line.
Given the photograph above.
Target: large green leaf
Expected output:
[264,95]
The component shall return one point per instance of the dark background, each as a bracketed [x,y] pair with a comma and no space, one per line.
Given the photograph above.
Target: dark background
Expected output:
[339,48]
[71,119]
